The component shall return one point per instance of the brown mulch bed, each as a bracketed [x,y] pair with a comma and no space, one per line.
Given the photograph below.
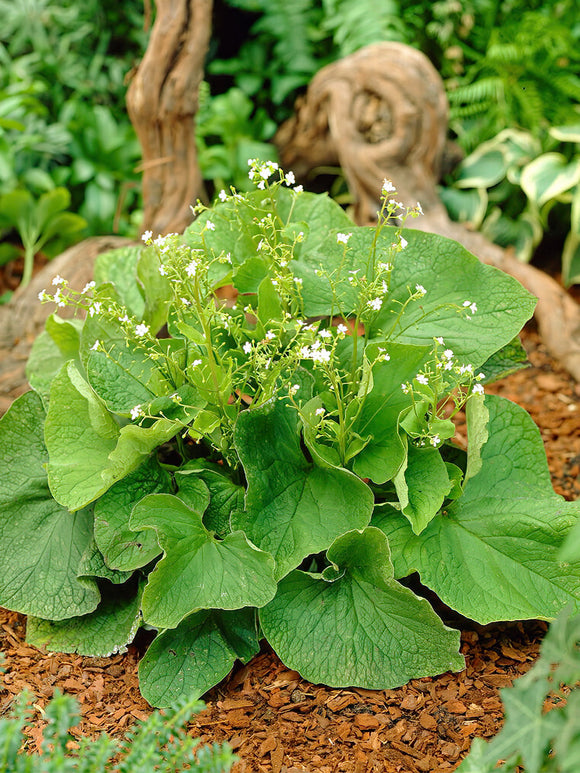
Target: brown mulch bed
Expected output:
[276,721]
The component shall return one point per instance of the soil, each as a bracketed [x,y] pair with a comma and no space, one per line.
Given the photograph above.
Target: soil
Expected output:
[274,720]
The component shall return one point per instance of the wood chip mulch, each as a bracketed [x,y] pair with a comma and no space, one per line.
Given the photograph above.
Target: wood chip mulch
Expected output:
[277,722]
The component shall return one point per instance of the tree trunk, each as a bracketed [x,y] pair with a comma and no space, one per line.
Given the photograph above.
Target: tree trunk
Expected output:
[162,102]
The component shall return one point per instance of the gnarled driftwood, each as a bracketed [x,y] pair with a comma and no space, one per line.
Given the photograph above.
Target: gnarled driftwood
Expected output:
[23,318]
[162,102]
[382,113]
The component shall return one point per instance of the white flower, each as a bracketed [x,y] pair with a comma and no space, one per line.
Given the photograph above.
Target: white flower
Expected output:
[386,266]
[478,389]
[146,236]
[375,303]
[383,354]
[262,185]
[270,334]
[342,329]
[136,412]
[448,354]
[142,329]
[435,440]
[41,295]
[388,187]
[223,196]
[210,226]
[294,388]
[298,280]
[325,333]
[403,242]
[465,369]
[420,289]
[162,270]
[95,346]
[289,178]
[95,308]
[440,341]
[343,238]
[195,363]
[406,388]
[300,237]
[480,376]
[319,411]
[298,188]
[87,287]
[58,280]
[419,208]
[422,379]
[247,347]
[471,306]
[124,318]
[191,268]
[260,244]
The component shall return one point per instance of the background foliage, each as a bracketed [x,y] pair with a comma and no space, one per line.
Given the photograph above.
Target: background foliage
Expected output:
[507,64]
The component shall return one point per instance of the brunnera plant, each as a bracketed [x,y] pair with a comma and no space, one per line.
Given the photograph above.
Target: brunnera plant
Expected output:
[250,435]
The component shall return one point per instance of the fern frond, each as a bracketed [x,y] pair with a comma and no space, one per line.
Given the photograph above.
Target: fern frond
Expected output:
[289,24]
[484,89]
[357,23]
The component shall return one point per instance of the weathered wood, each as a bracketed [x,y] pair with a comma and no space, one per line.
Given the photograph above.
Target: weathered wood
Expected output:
[382,113]
[162,101]
[23,318]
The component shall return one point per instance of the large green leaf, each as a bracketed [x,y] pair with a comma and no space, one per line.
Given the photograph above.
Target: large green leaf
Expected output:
[57,344]
[483,168]
[122,547]
[422,485]
[226,497]
[124,375]
[119,268]
[199,653]
[80,434]
[197,570]
[493,554]
[42,543]
[103,633]
[548,176]
[88,452]
[451,275]
[157,289]
[385,454]
[509,359]
[355,624]
[93,564]
[293,507]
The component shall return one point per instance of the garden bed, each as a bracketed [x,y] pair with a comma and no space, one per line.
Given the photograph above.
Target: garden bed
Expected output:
[277,722]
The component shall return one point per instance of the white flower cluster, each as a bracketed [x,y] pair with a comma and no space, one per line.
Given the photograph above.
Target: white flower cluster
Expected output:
[261,171]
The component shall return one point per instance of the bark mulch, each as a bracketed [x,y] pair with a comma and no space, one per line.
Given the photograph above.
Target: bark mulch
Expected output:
[276,721]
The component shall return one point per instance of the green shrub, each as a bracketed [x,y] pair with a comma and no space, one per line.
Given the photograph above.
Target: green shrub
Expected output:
[160,743]
[516,189]
[62,105]
[256,470]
